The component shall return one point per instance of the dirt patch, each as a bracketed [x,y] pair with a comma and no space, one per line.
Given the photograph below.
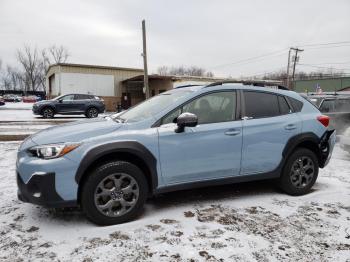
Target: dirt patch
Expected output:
[169,221]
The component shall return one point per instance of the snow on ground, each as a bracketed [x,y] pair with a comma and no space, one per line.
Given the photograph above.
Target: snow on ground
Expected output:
[17,105]
[242,222]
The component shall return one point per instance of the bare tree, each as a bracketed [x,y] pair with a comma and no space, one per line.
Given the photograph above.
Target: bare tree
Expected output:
[163,70]
[33,66]
[54,55]
[182,71]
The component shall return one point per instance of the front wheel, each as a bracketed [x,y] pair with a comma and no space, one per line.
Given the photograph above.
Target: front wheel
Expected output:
[92,112]
[48,112]
[300,172]
[114,193]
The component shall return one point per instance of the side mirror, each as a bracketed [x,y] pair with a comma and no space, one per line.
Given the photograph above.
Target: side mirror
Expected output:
[185,119]
[60,100]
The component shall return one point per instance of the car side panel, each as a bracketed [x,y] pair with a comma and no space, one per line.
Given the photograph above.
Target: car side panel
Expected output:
[264,141]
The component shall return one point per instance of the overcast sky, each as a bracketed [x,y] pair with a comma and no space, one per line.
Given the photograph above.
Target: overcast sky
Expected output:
[211,34]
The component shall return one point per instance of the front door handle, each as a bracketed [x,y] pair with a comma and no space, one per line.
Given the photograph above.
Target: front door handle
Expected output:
[290,127]
[232,132]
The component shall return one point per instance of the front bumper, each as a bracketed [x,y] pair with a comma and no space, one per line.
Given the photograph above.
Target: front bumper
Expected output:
[40,190]
[35,110]
[326,145]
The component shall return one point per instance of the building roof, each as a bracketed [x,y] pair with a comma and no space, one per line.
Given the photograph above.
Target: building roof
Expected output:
[95,66]
[174,78]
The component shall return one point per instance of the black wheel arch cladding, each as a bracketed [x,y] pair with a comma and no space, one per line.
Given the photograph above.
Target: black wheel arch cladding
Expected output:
[126,147]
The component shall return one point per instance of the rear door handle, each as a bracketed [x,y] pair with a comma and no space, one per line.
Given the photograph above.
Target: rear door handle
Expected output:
[290,127]
[232,132]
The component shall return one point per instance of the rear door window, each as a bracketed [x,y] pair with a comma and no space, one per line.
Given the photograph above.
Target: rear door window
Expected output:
[261,104]
[81,97]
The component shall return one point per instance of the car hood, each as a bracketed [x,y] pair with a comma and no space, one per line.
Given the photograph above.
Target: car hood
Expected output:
[75,131]
[43,102]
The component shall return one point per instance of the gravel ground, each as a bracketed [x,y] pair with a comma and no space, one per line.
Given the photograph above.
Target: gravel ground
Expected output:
[242,222]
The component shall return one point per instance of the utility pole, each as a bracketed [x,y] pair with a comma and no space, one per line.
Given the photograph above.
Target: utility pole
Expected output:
[295,62]
[144,54]
[288,66]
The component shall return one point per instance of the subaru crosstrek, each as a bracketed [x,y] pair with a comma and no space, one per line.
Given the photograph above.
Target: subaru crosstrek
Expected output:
[184,138]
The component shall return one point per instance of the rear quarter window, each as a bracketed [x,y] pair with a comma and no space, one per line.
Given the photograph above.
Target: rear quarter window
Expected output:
[296,104]
[284,107]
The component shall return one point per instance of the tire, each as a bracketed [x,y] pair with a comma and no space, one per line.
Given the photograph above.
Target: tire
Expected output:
[295,180]
[91,112]
[106,204]
[47,112]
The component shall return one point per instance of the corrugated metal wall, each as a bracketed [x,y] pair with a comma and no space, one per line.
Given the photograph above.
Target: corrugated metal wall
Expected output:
[96,80]
[96,84]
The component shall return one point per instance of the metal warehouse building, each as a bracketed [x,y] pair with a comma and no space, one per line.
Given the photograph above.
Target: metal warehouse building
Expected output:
[326,84]
[102,81]
[116,85]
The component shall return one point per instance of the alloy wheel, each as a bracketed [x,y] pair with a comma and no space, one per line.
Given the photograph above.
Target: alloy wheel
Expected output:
[92,112]
[302,172]
[116,194]
[48,113]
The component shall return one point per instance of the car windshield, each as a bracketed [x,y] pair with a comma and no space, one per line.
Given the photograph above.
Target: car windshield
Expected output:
[58,97]
[150,107]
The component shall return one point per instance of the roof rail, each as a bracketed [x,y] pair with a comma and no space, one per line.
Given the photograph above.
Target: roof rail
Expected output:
[248,82]
[185,86]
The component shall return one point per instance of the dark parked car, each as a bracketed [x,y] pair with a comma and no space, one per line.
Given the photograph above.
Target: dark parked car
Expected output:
[337,107]
[71,104]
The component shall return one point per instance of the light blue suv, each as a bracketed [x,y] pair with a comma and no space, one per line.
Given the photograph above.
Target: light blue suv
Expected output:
[188,137]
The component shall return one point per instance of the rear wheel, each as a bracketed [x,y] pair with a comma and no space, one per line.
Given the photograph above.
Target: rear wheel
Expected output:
[47,112]
[114,193]
[300,172]
[92,112]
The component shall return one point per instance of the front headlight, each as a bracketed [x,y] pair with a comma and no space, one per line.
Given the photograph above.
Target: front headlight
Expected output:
[52,151]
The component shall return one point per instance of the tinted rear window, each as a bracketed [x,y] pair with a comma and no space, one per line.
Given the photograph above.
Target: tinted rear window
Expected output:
[259,104]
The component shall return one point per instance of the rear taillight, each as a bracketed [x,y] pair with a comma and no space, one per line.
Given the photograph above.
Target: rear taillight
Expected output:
[324,120]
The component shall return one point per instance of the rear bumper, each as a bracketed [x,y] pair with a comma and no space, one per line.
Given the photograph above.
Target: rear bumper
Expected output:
[40,190]
[326,146]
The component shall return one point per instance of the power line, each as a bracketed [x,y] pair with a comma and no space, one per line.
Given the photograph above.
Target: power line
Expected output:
[332,63]
[279,52]
[325,44]
[326,47]
[251,58]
